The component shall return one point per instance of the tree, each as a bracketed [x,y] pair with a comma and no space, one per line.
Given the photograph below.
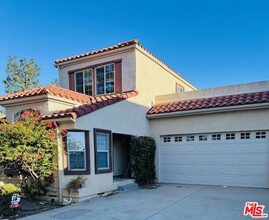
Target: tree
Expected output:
[27,148]
[22,75]
[55,82]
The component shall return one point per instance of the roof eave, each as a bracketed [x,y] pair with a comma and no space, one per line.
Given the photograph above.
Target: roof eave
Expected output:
[208,111]
[24,100]
[95,56]
[62,119]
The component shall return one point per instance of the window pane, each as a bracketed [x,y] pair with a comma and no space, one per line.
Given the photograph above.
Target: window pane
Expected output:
[76,141]
[79,82]
[102,160]
[100,80]
[102,142]
[88,82]
[103,150]
[76,160]
[110,68]
[110,78]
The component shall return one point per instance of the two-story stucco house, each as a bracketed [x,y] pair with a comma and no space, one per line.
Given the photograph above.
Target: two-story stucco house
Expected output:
[215,136]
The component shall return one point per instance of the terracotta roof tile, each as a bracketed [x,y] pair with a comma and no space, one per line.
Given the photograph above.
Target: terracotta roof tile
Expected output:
[96,103]
[213,102]
[119,45]
[49,90]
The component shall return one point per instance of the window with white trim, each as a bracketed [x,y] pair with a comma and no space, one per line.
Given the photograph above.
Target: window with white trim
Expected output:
[179,88]
[245,135]
[103,151]
[105,79]
[203,137]
[178,138]
[230,136]
[216,137]
[190,138]
[83,82]
[76,151]
[261,134]
[166,139]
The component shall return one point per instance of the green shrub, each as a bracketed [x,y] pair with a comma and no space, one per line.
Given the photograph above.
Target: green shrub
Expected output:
[9,189]
[142,159]
[6,191]
[76,184]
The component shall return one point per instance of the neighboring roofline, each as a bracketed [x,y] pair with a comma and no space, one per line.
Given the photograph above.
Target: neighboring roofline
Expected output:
[208,111]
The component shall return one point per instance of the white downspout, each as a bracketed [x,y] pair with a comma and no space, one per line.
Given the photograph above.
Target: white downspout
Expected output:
[60,164]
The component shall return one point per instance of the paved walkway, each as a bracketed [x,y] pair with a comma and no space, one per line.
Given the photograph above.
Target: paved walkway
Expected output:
[169,201]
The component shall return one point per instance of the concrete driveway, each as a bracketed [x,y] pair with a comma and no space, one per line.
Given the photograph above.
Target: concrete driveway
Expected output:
[169,201]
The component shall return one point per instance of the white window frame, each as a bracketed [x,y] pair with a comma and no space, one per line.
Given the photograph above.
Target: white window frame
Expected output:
[179,88]
[190,138]
[95,73]
[69,151]
[230,136]
[107,169]
[167,139]
[244,135]
[203,137]
[178,138]
[216,137]
[83,79]
[260,134]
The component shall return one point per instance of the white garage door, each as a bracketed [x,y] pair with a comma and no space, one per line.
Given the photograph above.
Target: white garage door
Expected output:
[231,159]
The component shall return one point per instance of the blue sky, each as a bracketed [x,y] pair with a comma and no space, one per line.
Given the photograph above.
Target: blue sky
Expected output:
[210,42]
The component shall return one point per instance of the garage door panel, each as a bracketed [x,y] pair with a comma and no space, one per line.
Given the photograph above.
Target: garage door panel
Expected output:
[238,162]
[179,178]
[259,181]
[179,158]
[189,168]
[166,178]
[190,179]
[179,168]
[228,157]
[167,169]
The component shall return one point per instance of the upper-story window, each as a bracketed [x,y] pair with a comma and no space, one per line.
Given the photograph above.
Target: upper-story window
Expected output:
[179,88]
[105,79]
[83,82]
[97,79]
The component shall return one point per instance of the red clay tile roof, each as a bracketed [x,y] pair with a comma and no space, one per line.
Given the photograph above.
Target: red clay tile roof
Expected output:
[96,102]
[49,90]
[119,45]
[209,103]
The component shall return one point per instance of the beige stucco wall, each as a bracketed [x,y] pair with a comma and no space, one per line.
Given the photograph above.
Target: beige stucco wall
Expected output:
[154,78]
[55,105]
[125,117]
[216,122]
[128,67]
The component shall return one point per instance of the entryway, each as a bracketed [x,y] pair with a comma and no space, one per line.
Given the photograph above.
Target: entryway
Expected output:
[121,155]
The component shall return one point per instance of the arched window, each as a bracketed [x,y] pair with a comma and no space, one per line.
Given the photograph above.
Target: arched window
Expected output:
[17,116]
